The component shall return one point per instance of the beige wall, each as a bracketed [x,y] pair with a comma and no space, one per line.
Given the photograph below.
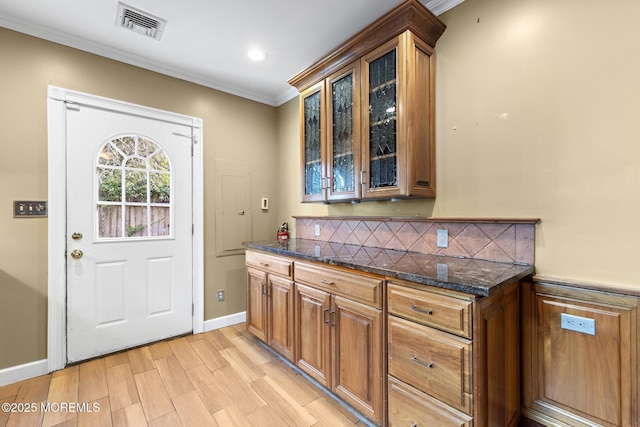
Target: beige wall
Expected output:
[234,129]
[542,95]
[537,116]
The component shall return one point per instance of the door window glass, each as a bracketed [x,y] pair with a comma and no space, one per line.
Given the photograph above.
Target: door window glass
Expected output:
[133,189]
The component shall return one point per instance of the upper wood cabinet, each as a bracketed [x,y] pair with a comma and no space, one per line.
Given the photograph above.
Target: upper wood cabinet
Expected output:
[367,112]
[330,135]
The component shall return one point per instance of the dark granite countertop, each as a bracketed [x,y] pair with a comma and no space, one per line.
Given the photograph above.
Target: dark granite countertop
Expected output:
[466,275]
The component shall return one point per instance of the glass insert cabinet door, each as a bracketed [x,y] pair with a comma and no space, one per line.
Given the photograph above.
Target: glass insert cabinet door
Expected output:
[382,149]
[312,110]
[330,151]
[343,124]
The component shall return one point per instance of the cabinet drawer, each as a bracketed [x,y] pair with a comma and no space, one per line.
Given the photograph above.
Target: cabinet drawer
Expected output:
[440,311]
[433,361]
[410,407]
[363,287]
[270,263]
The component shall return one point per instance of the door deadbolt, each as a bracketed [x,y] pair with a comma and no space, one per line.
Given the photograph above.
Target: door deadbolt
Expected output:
[76,254]
[76,236]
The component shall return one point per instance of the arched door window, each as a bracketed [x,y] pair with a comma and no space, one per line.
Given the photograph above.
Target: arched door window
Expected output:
[133,189]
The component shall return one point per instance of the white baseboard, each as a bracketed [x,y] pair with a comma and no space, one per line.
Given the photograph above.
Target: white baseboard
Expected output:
[23,372]
[221,322]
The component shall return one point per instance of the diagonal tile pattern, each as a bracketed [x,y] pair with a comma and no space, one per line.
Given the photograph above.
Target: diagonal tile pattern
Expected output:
[503,241]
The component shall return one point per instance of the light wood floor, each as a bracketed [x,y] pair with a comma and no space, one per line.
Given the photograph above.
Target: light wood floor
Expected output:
[219,378]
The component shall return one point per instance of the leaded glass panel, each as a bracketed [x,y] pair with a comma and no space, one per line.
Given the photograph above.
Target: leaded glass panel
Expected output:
[342,107]
[312,148]
[382,121]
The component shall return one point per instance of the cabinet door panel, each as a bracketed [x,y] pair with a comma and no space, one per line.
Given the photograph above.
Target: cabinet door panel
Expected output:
[357,361]
[281,315]
[257,303]
[594,354]
[312,152]
[577,378]
[343,133]
[381,130]
[313,333]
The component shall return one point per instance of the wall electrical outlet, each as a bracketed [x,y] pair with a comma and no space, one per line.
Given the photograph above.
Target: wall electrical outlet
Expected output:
[221,295]
[316,230]
[578,324]
[442,270]
[443,239]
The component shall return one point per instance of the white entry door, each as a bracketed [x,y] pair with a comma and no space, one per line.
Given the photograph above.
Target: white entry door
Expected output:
[129,230]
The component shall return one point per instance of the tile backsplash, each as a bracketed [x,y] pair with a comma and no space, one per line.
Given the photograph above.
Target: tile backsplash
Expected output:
[500,240]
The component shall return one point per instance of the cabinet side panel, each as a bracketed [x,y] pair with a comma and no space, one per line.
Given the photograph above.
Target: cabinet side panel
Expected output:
[421,129]
[497,362]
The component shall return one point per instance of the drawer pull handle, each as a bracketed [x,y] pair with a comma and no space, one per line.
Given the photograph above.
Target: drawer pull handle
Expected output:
[264,264]
[420,310]
[420,362]
[326,282]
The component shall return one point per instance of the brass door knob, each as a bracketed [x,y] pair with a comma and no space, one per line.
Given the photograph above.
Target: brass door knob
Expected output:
[76,254]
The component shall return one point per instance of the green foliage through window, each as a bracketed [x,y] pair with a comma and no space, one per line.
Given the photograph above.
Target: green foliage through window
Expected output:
[134,172]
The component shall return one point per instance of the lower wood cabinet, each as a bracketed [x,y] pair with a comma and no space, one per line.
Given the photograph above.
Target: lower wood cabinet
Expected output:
[574,378]
[338,340]
[270,301]
[453,357]
[400,353]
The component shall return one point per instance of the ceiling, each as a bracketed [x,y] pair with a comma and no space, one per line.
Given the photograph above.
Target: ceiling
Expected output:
[206,41]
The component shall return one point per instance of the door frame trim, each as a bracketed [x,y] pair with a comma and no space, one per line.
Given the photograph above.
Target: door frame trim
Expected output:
[57,97]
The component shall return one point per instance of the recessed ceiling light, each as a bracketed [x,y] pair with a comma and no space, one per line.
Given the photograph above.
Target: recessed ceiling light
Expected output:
[256,55]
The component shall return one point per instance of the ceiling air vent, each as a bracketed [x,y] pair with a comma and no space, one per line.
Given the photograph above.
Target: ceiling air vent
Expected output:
[141,22]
